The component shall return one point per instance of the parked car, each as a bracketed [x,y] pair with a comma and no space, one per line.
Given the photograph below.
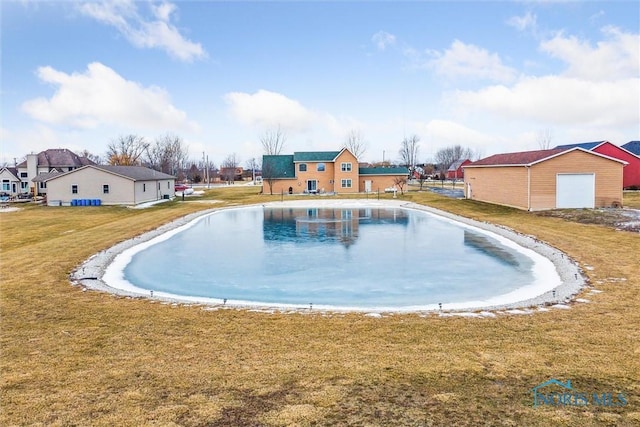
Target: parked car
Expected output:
[183,188]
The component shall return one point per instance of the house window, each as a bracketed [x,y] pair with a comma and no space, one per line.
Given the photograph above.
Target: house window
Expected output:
[23,175]
[105,189]
[144,187]
[24,186]
[345,167]
[5,185]
[74,189]
[321,167]
[302,167]
[168,184]
[43,185]
[345,183]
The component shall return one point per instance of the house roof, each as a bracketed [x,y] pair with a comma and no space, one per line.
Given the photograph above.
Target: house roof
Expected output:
[457,164]
[12,171]
[585,145]
[315,156]
[516,159]
[59,157]
[383,171]
[529,158]
[134,173]
[42,177]
[632,147]
[278,166]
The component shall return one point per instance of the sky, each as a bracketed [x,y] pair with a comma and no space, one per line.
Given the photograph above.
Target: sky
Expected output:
[491,76]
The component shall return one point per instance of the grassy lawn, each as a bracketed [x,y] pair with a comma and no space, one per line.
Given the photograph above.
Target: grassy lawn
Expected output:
[74,357]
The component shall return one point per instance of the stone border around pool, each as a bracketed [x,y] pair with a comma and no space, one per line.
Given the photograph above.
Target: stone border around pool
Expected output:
[90,273]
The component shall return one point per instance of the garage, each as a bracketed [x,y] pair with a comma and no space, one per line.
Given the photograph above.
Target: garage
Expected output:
[547,179]
[575,190]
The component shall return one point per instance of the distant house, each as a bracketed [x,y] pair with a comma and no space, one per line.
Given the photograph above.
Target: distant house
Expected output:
[631,174]
[11,184]
[231,174]
[455,171]
[546,179]
[111,185]
[324,171]
[54,160]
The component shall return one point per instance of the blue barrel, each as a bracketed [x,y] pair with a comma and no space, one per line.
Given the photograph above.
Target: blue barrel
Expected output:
[98,202]
[93,202]
[84,202]
[74,202]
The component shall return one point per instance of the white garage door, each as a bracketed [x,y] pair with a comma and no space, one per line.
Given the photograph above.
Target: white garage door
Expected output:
[575,190]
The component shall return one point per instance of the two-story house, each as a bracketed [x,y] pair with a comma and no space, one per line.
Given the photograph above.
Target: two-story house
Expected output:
[324,172]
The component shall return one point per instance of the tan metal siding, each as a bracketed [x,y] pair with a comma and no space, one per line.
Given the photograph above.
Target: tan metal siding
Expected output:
[502,185]
[608,178]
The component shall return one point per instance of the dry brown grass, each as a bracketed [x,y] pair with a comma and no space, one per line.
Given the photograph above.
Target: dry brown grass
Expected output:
[86,358]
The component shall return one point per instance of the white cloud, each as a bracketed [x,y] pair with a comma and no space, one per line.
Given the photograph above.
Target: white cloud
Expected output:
[463,60]
[269,109]
[616,57]
[560,100]
[523,23]
[382,39]
[143,32]
[100,96]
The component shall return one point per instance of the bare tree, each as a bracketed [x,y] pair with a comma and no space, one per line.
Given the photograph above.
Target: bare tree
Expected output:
[126,150]
[273,141]
[355,143]
[168,154]
[228,168]
[252,165]
[400,182]
[544,139]
[194,173]
[95,158]
[269,171]
[409,149]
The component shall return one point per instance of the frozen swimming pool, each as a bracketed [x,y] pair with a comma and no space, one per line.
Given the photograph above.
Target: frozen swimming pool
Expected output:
[333,257]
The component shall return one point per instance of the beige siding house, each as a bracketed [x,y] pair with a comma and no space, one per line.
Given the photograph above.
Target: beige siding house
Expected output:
[324,172]
[111,185]
[546,179]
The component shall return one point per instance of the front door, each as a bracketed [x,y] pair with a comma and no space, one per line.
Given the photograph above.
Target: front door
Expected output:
[367,186]
[312,186]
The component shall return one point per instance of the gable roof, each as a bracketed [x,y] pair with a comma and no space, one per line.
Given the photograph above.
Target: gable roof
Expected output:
[383,171]
[455,165]
[12,171]
[516,159]
[278,166]
[315,156]
[134,173]
[529,158]
[59,157]
[586,145]
[42,177]
[632,147]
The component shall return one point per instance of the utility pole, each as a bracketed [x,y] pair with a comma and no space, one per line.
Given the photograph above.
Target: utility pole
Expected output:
[208,173]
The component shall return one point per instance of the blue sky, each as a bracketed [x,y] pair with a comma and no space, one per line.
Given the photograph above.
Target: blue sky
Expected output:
[492,76]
